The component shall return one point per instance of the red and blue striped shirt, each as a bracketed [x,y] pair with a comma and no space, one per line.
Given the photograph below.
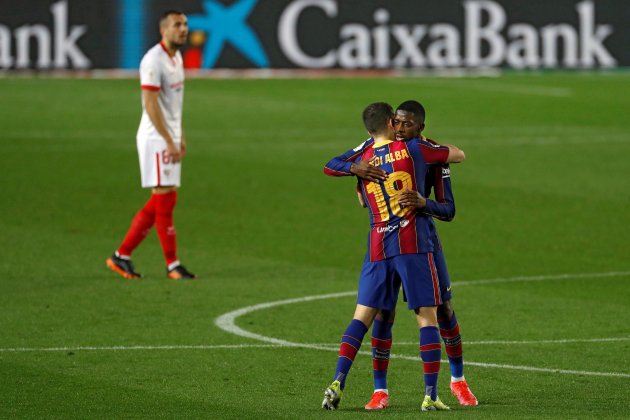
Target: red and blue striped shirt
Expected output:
[394,229]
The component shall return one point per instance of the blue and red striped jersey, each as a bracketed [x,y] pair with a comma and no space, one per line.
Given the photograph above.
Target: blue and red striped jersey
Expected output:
[394,230]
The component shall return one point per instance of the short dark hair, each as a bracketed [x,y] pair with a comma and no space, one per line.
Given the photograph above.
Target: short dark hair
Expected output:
[376,117]
[415,108]
[166,14]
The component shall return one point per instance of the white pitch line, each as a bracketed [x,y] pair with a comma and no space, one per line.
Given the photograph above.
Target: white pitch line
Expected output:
[542,278]
[126,348]
[326,346]
[517,342]
[227,321]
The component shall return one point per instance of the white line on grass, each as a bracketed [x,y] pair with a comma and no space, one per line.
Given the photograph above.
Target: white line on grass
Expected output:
[566,276]
[327,346]
[126,348]
[518,342]
[227,322]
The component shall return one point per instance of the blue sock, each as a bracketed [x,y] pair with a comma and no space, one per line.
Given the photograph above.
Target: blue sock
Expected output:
[449,330]
[381,345]
[350,345]
[430,353]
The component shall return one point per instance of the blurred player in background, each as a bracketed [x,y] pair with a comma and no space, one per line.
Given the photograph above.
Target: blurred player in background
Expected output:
[399,245]
[408,124]
[161,147]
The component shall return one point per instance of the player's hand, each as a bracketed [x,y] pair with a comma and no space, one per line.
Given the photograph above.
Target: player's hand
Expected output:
[174,152]
[183,147]
[411,198]
[364,169]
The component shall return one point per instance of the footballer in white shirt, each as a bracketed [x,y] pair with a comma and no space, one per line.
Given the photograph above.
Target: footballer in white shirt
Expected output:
[161,148]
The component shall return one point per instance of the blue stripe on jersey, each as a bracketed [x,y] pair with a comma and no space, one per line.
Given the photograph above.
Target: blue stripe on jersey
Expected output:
[389,168]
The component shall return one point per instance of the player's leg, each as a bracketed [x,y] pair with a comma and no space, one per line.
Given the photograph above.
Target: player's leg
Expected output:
[449,330]
[120,261]
[166,195]
[350,344]
[430,353]
[140,227]
[450,333]
[381,347]
[377,290]
[422,289]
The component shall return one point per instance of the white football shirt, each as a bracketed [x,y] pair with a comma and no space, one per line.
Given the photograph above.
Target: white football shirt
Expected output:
[161,72]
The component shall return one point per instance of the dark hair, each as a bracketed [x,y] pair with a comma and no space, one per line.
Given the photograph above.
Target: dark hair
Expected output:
[413,107]
[376,117]
[166,14]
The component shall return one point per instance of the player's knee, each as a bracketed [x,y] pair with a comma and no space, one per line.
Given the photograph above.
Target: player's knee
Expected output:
[386,316]
[445,311]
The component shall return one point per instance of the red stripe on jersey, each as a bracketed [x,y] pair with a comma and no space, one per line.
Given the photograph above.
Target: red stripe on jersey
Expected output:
[150,87]
[434,279]
[402,162]
[377,245]
[157,162]
[439,185]
[434,154]
[431,367]
[408,237]
[429,347]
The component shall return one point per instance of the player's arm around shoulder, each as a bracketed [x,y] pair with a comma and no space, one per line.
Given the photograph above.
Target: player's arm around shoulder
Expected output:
[455,154]
[346,164]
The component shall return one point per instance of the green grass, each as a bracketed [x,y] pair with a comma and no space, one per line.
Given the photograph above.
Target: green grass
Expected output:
[544,191]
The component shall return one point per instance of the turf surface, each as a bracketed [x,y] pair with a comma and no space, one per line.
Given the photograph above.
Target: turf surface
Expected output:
[544,192]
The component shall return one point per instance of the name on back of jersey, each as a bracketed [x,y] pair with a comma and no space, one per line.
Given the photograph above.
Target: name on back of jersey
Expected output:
[390,157]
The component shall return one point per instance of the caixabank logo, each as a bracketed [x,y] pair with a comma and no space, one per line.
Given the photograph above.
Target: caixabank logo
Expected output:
[478,35]
[360,34]
[50,43]
[321,34]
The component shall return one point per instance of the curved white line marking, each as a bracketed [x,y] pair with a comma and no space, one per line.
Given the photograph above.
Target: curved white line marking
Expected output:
[227,322]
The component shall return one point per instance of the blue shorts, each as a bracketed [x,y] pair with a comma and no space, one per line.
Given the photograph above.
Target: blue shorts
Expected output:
[380,282]
[442,272]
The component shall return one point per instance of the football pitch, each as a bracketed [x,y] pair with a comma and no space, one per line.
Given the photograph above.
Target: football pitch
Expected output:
[539,252]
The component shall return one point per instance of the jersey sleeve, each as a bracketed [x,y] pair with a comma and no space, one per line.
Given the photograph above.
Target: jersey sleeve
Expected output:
[149,74]
[443,207]
[433,152]
[340,165]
